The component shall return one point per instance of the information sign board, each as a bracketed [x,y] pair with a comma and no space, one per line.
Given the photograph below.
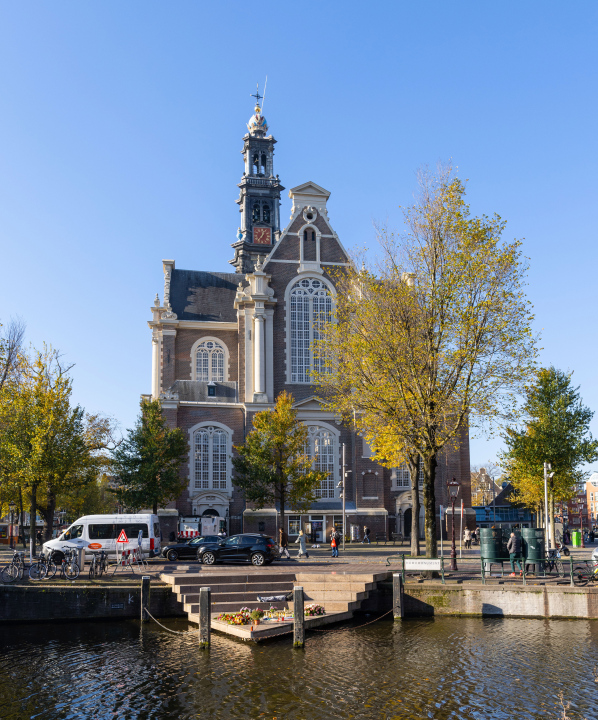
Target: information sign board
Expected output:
[422,564]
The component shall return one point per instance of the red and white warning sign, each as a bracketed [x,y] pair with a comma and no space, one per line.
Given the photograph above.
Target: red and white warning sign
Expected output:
[123,537]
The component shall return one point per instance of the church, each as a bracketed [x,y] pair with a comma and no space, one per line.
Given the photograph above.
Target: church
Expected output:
[225,344]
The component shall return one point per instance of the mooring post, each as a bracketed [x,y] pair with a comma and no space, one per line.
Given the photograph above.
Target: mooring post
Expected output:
[145,596]
[571,570]
[298,618]
[397,596]
[205,600]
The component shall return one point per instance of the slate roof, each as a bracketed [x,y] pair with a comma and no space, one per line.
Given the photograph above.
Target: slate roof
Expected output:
[203,295]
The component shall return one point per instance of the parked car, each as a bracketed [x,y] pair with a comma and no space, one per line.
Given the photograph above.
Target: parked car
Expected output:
[249,547]
[595,557]
[187,549]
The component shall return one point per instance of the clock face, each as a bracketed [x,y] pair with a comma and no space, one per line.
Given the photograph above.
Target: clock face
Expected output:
[261,236]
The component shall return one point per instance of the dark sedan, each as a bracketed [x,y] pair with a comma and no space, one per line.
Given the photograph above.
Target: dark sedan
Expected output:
[187,549]
[253,548]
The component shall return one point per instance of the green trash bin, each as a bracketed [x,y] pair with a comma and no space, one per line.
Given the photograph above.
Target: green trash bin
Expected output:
[492,545]
[534,546]
[576,538]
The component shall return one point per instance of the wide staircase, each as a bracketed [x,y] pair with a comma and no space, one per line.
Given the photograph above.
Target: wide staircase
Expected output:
[337,593]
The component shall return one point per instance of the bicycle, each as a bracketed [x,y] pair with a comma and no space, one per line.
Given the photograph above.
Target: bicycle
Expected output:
[587,573]
[50,565]
[553,562]
[16,569]
[69,567]
[98,565]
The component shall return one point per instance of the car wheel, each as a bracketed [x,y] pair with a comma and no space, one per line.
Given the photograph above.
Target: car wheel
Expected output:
[172,555]
[208,558]
[258,559]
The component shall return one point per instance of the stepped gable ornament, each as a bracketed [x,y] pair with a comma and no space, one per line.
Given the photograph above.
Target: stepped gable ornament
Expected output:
[168,314]
[157,301]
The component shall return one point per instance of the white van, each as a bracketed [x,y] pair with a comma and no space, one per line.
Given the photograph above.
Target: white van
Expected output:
[100,532]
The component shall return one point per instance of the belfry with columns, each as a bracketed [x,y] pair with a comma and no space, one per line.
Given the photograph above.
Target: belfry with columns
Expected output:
[225,344]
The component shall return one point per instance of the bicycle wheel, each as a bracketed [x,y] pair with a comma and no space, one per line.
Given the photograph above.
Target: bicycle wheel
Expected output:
[100,568]
[50,570]
[72,571]
[10,573]
[560,568]
[580,577]
[92,569]
[37,571]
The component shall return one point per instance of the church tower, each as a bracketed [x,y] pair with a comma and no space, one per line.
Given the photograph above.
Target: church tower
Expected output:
[259,197]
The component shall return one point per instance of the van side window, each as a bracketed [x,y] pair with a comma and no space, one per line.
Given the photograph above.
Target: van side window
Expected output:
[157,532]
[74,532]
[132,530]
[101,532]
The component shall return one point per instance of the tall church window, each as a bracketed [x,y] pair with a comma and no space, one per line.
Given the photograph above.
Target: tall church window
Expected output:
[256,212]
[266,213]
[210,449]
[321,445]
[264,163]
[403,476]
[310,308]
[209,362]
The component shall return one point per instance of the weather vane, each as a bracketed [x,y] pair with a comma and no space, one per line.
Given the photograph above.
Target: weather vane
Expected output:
[257,95]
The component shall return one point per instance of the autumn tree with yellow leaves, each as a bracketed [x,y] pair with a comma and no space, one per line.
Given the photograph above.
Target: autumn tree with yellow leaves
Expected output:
[435,337]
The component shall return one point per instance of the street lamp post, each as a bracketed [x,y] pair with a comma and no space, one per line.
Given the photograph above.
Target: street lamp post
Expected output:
[11,505]
[581,522]
[453,488]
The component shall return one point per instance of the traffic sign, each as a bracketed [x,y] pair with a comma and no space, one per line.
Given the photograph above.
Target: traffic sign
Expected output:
[123,537]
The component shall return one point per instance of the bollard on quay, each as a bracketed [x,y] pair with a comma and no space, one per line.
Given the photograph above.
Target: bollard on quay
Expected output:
[145,596]
[205,598]
[298,618]
[397,596]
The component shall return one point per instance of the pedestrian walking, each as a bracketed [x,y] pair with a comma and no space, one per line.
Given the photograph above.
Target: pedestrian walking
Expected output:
[366,535]
[467,538]
[302,545]
[283,541]
[333,545]
[514,550]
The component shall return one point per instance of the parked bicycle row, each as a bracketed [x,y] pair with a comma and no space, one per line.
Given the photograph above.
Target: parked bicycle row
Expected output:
[63,562]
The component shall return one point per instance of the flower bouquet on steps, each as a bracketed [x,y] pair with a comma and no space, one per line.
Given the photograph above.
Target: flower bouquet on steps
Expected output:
[312,610]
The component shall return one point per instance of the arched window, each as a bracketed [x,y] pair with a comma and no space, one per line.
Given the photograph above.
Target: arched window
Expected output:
[209,361]
[266,213]
[210,451]
[321,445]
[310,307]
[256,212]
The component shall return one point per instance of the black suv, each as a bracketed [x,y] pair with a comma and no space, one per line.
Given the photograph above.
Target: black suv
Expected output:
[187,549]
[253,548]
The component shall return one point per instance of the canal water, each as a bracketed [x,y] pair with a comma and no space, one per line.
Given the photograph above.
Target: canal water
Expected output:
[443,668]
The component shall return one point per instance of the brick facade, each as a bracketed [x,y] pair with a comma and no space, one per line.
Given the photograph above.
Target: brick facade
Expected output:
[248,315]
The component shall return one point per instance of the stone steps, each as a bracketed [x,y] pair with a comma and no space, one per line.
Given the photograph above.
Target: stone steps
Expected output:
[339,594]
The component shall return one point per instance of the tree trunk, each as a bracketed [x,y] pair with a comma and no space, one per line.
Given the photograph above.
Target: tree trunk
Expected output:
[21,518]
[413,463]
[32,520]
[155,508]
[48,515]
[430,464]
[280,522]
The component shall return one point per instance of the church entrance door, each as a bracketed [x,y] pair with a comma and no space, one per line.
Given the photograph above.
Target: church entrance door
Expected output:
[407,522]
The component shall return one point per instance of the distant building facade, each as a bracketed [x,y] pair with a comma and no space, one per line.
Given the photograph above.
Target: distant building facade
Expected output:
[225,344]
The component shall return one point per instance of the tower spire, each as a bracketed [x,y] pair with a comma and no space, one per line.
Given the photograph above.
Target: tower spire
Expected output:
[259,197]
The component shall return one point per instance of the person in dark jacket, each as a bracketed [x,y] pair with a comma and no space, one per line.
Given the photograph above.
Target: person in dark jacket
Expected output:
[366,535]
[514,550]
[283,543]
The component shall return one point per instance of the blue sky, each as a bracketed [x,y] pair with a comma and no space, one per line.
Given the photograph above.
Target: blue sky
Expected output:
[121,126]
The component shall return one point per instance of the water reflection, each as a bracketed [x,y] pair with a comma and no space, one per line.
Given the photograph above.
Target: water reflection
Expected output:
[444,668]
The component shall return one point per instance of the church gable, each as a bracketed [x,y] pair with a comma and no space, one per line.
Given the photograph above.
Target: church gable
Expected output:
[309,240]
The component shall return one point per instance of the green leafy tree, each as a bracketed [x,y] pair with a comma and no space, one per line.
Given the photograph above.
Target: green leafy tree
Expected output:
[437,337]
[556,430]
[147,463]
[272,467]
